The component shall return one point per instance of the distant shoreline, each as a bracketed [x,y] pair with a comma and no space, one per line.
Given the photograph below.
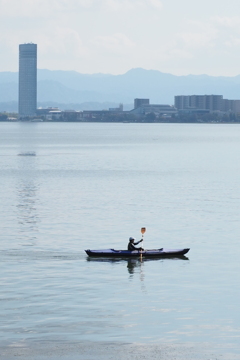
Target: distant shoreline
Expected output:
[124,122]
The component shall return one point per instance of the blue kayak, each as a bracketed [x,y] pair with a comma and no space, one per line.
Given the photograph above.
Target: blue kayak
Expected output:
[155,253]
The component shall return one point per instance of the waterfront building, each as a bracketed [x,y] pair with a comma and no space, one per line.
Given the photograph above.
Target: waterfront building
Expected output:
[182,102]
[157,109]
[27,91]
[231,106]
[140,102]
[214,102]
[45,111]
[118,109]
[204,102]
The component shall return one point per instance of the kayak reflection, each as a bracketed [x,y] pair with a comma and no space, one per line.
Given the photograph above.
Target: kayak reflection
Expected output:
[133,263]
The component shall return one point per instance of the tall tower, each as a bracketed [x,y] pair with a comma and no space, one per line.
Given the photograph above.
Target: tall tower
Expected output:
[27,90]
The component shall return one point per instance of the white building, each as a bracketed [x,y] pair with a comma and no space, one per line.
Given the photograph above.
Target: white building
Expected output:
[157,109]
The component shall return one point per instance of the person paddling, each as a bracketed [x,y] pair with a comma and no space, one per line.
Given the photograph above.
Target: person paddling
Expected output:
[131,244]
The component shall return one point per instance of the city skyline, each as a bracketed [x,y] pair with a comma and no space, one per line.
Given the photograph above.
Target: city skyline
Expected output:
[113,36]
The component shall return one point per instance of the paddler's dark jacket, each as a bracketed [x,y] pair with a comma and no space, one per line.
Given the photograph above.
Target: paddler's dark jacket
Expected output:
[131,246]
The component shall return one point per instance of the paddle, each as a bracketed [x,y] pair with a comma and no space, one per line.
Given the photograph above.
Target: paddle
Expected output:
[143,230]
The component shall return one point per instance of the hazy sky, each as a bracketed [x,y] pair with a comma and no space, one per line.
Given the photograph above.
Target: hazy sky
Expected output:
[113,36]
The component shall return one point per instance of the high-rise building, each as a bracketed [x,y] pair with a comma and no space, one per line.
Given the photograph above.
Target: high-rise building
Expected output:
[140,102]
[208,102]
[27,91]
[182,102]
[231,106]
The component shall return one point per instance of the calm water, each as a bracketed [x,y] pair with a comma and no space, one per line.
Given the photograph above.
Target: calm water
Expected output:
[93,186]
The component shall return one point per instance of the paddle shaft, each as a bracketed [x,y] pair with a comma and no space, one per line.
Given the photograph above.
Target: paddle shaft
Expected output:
[143,230]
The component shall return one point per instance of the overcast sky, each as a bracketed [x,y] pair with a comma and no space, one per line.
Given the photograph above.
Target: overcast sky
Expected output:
[113,36]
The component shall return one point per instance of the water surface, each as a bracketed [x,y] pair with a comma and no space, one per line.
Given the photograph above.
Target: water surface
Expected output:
[69,187]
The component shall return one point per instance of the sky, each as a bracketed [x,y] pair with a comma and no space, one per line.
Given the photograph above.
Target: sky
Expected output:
[180,37]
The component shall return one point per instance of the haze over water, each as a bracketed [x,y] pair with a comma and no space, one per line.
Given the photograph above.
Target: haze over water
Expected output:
[93,186]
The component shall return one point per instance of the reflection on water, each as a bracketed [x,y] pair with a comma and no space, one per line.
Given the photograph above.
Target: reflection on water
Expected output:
[27,189]
[134,263]
[135,260]
[135,266]
[27,211]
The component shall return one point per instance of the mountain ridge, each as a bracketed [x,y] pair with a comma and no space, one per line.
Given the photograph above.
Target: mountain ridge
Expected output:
[73,87]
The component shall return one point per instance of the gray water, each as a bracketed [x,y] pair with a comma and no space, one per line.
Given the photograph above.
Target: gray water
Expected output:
[69,187]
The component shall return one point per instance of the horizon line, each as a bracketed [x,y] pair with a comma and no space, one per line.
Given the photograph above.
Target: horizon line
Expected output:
[132,69]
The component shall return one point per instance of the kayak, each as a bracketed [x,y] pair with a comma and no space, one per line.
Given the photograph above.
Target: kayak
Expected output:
[154,253]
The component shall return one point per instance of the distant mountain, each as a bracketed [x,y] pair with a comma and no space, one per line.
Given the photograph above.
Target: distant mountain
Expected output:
[71,87]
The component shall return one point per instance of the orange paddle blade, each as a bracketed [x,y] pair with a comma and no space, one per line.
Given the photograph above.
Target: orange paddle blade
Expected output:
[143,230]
